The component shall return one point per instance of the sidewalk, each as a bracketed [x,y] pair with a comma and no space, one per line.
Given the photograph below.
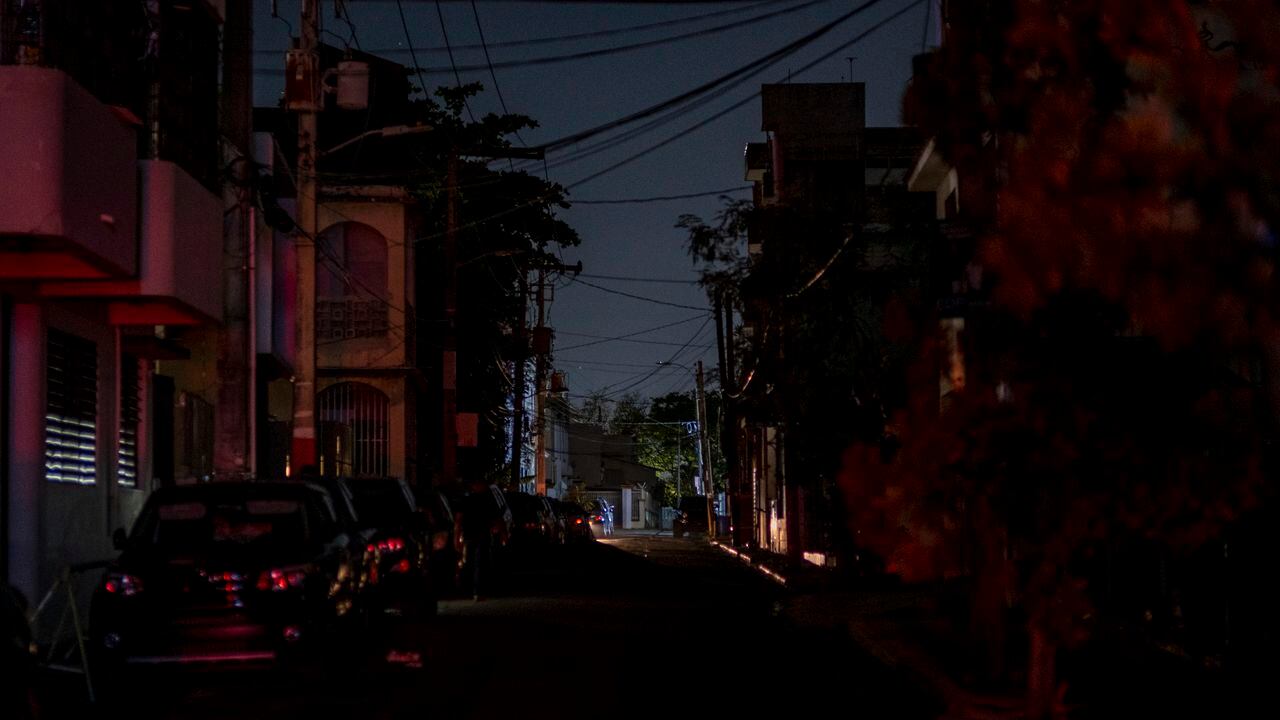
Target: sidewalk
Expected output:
[900,626]
[906,628]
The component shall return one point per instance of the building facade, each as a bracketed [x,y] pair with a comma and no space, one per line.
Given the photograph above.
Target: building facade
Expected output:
[832,214]
[117,210]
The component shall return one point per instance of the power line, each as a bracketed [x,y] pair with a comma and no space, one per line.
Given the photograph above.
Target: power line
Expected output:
[633,296]
[409,41]
[662,198]
[555,39]
[703,123]
[475,12]
[675,114]
[626,340]
[603,338]
[782,52]
[658,367]
[625,278]
[444,32]
[689,130]
[629,47]
[567,362]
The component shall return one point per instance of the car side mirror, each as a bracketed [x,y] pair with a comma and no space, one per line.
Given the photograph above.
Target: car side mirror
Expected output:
[119,539]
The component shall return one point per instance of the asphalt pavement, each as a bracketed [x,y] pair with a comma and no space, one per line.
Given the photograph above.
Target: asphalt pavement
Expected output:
[631,626]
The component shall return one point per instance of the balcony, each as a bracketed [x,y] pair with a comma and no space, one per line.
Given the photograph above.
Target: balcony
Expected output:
[68,181]
[179,281]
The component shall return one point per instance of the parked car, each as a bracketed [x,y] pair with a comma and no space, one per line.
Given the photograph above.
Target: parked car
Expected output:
[227,572]
[445,558]
[577,524]
[344,505]
[692,516]
[600,513]
[534,521]
[399,540]
[559,532]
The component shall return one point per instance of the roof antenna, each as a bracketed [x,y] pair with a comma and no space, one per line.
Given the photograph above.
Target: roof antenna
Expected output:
[851,59]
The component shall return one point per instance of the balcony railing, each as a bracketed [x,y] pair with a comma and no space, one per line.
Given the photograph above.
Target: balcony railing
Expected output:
[350,318]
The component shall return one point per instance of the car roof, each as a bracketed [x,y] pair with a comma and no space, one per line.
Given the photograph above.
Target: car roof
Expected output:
[229,490]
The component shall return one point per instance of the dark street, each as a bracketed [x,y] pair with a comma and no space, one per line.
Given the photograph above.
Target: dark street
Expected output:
[636,626]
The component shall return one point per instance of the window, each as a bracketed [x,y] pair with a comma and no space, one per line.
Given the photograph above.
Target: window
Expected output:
[130,417]
[351,283]
[351,261]
[71,410]
[355,422]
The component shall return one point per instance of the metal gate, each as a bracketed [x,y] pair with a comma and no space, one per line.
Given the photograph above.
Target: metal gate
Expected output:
[355,423]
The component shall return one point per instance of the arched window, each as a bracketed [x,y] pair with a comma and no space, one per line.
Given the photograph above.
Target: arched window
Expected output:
[355,424]
[351,282]
[351,261]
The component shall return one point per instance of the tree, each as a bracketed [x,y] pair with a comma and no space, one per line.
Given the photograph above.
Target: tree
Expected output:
[1129,261]
[508,225]
[826,359]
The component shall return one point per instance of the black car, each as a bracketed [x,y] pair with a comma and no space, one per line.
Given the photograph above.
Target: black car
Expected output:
[399,537]
[344,504]
[227,572]
[577,523]
[532,520]
[446,539]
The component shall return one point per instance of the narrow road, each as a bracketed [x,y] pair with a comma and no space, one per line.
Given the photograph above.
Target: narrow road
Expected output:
[635,626]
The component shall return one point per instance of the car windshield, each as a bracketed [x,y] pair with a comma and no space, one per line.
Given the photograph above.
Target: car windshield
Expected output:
[195,526]
[380,503]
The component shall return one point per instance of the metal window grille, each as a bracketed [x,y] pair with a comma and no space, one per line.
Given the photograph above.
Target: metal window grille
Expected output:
[130,417]
[355,424]
[71,410]
[350,318]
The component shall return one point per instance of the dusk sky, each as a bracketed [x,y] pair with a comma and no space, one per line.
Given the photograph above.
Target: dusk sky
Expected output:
[636,240]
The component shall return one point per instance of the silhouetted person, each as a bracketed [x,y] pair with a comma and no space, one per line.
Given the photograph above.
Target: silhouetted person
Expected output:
[482,521]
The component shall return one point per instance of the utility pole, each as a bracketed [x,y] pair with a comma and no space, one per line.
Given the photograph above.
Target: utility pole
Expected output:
[235,416]
[449,353]
[307,104]
[449,349]
[704,454]
[540,383]
[517,393]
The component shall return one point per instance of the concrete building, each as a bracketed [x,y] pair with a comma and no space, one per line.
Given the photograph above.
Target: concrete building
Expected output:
[366,324]
[116,211]
[821,173]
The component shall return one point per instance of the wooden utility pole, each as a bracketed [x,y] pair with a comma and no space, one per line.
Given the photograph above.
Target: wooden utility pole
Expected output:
[449,353]
[307,104]
[704,454]
[235,414]
[449,349]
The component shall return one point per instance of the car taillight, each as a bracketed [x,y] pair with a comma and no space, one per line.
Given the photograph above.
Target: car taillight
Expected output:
[391,545]
[599,518]
[281,579]
[577,521]
[531,526]
[122,584]
[401,567]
